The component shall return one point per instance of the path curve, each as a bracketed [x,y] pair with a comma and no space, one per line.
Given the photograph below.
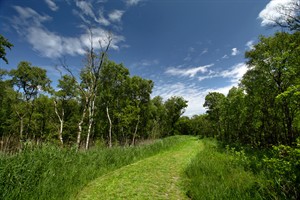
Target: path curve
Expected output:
[156,177]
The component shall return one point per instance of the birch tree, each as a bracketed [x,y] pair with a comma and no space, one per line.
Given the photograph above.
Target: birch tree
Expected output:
[90,77]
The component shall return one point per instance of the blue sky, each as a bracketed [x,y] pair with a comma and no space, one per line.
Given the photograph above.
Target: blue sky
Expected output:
[187,47]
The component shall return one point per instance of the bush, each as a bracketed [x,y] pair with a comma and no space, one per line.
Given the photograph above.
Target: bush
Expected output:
[283,170]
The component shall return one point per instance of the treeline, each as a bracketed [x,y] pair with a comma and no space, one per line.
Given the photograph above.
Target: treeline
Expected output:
[264,109]
[110,107]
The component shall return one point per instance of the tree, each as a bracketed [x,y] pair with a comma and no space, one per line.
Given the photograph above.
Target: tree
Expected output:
[30,81]
[175,107]
[157,117]
[113,80]
[4,43]
[90,77]
[274,68]
[68,91]
[213,103]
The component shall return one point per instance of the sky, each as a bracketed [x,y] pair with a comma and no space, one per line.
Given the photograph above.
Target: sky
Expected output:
[187,47]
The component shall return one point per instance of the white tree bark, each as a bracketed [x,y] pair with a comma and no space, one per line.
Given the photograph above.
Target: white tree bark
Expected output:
[91,121]
[61,120]
[110,127]
[135,131]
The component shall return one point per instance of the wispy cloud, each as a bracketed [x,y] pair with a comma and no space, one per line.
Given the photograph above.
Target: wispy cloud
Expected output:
[191,72]
[250,44]
[86,8]
[29,25]
[234,73]
[145,63]
[52,5]
[277,10]
[204,51]
[116,15]
[234,51]
[132,2]
[225,56]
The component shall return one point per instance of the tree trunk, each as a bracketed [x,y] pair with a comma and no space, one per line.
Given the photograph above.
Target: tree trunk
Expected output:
[91,120]
[61,120]
[81,122]
[135,131]
[110,127]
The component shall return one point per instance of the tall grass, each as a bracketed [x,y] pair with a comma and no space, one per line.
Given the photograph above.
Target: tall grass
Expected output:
[214,174]
[54,173]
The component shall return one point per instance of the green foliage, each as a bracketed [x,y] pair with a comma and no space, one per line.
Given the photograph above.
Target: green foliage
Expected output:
[30,79]
[4,43]
[49,172]
[174,109]
[214,174]
[283,170]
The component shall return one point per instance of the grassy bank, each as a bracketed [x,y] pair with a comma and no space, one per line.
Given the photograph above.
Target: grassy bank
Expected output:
[214,174]
[54,173]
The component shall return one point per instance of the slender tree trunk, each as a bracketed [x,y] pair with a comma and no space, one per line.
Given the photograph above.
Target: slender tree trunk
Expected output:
[135,131]
[110,127]
[61,120]
[81,122]
[91,120]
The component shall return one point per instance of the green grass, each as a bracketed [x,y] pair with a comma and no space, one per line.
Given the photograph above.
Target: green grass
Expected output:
[156,177]
[54,173]
[218,175]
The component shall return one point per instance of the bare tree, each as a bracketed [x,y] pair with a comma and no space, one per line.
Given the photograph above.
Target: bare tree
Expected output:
[90,77]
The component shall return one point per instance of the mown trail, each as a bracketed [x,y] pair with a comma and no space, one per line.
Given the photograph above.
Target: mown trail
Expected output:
[157,177]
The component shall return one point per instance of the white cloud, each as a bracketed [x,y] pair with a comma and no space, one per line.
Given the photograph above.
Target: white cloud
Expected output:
[277,10]
[145,63]
[52,45]
[187,72]
[52,5]
[235,73]
[86,8]
[116,15]
[250,44]
[225,56]
[132,2]
[235,51]
[28,16]
[194,94]
[204,51]
[101,19]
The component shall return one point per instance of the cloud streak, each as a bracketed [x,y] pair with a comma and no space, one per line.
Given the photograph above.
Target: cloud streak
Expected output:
[191,72]
[52,5]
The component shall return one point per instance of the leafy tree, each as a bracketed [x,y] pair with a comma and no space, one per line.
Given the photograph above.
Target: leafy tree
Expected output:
[30,81]
[4,43]
[68,90]
[175,107]
[274,67]
[112,96]
[213,103]
[157,117]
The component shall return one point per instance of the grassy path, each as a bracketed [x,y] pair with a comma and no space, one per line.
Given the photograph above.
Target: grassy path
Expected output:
[157,177]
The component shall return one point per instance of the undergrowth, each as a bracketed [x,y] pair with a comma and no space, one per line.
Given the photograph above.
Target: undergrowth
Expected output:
[50,172]
[215,174]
